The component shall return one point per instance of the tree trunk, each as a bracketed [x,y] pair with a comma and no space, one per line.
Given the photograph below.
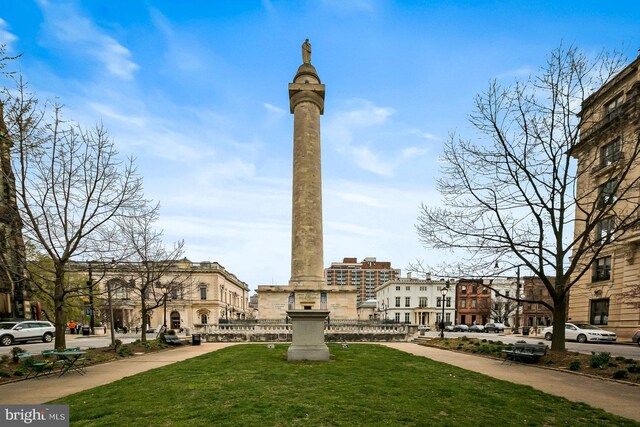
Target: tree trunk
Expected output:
[143,306]
[59,315]
[559,319]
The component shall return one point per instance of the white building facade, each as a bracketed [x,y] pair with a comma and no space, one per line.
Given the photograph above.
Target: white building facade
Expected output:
[416,301]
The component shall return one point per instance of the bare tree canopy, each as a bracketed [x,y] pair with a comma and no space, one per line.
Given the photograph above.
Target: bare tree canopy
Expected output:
[152,269]
[509,194]
[71,184]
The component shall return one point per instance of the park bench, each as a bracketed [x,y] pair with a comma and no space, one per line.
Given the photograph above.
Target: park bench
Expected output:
[172,339]
[525,352]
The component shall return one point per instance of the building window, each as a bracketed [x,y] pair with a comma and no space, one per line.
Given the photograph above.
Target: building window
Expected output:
[439,302]
[463,303]
[408,288]
[397,288]
[612,108]
[397,301]
[463,290]
[203,294]
[605,229]
[608,192]
[485,289]
[602,269]
[610,153]
[407,318]
[599,312]
[447,317]
[475,289]
[397,317]
[203,319]
[474,303]
[423,288]
[423,301]
[506,294]
[407,301]
[448,301]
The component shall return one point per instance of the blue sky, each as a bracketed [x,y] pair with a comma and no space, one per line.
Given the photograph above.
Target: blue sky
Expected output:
[197,92]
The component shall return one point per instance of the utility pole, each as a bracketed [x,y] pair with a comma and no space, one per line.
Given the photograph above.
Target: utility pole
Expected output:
[92,319]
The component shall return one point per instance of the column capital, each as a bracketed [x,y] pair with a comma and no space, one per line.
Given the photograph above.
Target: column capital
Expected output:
[311,92]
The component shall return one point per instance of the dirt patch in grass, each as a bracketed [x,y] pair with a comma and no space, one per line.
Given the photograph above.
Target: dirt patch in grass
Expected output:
[597,364]
[11,370]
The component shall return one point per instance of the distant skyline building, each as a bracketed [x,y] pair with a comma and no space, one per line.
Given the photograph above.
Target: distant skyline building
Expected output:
[366,275]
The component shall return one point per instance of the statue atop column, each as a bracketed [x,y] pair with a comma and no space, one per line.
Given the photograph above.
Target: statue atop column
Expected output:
[306,52]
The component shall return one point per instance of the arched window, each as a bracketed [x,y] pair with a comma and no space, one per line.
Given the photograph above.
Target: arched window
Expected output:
[203,319]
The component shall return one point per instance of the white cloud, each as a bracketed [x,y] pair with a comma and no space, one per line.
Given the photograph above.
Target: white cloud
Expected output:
[518,72]
[273,109]
[366,135]
[6,38]
[65,24]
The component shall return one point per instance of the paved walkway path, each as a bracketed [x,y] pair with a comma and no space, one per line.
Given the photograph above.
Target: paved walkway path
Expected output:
[45,389]
[616,398]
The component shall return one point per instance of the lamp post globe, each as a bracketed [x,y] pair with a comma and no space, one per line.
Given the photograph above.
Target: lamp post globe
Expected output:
[443,291]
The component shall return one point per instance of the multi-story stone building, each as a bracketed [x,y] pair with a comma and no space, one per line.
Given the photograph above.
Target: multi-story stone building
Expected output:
[366,276]
[608,173]
[503,288]
[473,301]
[416,301]
[208,294]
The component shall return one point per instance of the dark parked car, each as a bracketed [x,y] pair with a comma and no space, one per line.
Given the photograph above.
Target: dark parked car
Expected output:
[636,337]
[494,327]
[476,328]
[461,328]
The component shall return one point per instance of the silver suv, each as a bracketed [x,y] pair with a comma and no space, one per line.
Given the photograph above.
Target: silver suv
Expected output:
[28,330]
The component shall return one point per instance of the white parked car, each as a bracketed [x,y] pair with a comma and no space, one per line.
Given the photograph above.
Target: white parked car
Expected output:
[582,333]
[28,330]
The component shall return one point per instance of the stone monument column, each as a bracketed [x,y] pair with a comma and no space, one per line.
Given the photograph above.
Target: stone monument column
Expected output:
[306,100]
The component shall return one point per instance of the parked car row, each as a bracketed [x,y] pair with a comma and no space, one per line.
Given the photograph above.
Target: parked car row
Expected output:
[636,337]
[489,327]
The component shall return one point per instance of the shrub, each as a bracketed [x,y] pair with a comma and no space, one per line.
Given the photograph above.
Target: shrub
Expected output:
[477,343]
[620,358]
[499,343]
[634,369]
[599,360]
[117,344]
[125,351]
[629,361]
[5,358]
[19,372]
[15,351]
[574,365]
[621,373]
[612,365]
[5,374]
[484,340]
[548,362]
[171,332]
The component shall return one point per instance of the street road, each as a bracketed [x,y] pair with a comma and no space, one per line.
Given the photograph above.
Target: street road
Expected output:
[632,351]
[35,347]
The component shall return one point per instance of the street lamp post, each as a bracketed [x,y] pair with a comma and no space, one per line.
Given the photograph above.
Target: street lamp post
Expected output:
[166,297]
[517,326]
[443,292]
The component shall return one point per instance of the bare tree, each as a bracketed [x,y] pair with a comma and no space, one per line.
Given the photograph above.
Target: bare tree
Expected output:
[501,309]
[154,273]
[511,195]
[70,185]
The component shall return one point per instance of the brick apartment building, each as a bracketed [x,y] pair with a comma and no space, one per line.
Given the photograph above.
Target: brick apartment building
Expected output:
[366,275]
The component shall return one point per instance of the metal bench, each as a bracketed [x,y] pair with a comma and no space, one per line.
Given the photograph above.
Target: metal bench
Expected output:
[525,352]
[172,339]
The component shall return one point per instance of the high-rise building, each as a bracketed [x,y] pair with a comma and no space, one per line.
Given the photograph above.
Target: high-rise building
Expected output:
[366,275]
[608,173]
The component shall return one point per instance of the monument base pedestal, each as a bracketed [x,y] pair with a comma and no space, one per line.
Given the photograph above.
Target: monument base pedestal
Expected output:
[307,335]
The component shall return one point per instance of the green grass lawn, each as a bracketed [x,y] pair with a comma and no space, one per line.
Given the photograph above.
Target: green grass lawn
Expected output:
[250,385]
